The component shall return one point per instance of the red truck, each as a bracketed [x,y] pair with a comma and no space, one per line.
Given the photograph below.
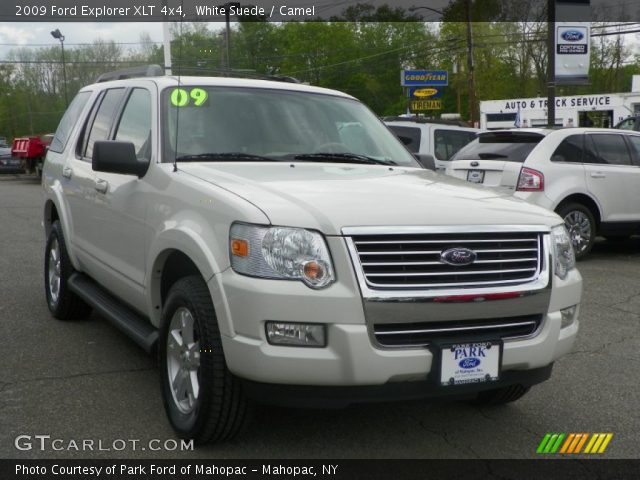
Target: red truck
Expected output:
[31,151]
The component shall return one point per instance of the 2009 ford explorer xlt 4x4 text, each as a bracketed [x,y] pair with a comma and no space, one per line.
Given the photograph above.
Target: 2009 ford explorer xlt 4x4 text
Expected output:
[276,243]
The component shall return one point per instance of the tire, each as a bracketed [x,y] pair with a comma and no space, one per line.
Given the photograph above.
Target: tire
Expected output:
[581,226]
[501,396]
[214,409]
[62,302]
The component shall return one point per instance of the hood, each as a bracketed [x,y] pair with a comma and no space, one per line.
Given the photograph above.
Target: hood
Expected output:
[328,197]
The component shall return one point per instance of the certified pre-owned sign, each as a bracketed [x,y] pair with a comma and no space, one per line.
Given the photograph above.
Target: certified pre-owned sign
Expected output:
[572,40]
[572,52]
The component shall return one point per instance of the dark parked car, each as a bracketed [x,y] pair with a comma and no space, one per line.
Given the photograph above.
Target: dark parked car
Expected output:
[7,162]
[630,123]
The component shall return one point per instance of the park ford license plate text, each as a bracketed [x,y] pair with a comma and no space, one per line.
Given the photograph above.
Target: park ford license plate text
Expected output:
[470,363]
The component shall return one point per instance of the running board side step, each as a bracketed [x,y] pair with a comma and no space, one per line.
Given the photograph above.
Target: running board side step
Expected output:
[126,320]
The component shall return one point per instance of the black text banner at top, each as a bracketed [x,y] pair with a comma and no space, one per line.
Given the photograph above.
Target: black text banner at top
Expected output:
[627,11]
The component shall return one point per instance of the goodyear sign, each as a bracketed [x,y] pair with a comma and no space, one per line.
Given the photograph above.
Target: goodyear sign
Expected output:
[420,105]
[424,78]
[423,93]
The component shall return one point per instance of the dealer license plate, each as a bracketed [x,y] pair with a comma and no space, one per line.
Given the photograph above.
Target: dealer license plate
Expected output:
[475,176]
[470,363]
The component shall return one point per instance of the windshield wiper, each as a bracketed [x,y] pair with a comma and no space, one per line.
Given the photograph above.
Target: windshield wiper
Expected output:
[489,156]
[342,158]
[224,157]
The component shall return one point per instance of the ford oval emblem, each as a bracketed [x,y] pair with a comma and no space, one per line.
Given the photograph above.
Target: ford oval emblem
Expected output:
[458,257]
[475,164]
[572,36]
[468,363]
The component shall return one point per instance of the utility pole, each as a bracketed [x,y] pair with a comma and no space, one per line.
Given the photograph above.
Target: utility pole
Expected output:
[470,66]
[31,131]
[227,36]
[551,63]
[166,43]
[58,36]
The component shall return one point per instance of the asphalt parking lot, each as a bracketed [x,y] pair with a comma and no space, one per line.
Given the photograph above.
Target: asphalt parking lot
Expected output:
[85,380]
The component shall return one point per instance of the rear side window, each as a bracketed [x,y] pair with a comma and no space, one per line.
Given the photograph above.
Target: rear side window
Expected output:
[135,123]
[101,126]
[508,146]
[448,142]
[635,145]
[611,149]
[68,121]
[409,136]
[570,150]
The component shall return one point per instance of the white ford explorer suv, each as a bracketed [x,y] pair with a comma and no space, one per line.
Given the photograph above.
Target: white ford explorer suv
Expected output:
[234,226]
[589,176]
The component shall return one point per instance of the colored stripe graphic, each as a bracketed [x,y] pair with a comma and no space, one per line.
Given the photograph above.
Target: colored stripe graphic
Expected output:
[567,443]
[581,442]
[573,443]
[543,443]
[598,443]
[556,446]
[550,443]
[576,441]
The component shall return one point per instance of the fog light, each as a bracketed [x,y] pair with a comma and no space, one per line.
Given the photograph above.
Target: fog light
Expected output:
[296,334]
[568,316]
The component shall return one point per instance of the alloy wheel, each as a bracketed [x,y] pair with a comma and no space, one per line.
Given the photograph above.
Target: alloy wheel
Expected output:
[183,360]
[579,228]
[54,271]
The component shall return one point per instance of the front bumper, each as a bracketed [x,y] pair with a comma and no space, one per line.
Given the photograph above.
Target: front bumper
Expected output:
[311,396]
[351,358]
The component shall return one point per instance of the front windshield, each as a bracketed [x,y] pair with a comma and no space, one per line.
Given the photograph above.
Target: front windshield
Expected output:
[274,125]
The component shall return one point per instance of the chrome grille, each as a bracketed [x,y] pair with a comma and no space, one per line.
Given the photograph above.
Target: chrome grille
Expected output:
[413,260]
[421,334]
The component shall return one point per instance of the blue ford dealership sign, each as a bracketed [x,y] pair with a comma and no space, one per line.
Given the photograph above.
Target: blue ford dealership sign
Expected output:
[424,78]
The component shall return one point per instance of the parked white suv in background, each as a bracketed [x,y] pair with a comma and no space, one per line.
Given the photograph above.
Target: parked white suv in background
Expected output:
[276,243]
[590,177]
[440,139]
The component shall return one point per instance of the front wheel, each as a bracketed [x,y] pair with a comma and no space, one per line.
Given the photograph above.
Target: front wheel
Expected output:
[202,398]
[581,226]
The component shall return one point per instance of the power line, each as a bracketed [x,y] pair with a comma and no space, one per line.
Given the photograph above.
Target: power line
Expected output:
[56,62]
[605,34]
[27,45]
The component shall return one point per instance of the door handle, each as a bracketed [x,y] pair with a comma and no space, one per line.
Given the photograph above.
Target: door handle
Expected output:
[598,175]
[102,186]
[66,172]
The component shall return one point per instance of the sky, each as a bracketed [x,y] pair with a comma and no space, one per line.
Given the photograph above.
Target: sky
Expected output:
[22,34]
[17,34]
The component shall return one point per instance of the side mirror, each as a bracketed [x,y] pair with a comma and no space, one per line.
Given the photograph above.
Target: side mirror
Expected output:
[117,157]
[426,160]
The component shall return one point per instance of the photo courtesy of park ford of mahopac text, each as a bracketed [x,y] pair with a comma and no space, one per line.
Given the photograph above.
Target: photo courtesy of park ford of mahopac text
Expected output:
[332,239]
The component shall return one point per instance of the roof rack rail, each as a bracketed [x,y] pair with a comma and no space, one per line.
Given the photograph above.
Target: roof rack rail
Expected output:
[395,118]
[239,73]
[133,72]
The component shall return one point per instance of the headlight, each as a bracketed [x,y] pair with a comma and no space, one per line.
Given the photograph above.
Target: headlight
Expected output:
[281,253]
[563,249]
